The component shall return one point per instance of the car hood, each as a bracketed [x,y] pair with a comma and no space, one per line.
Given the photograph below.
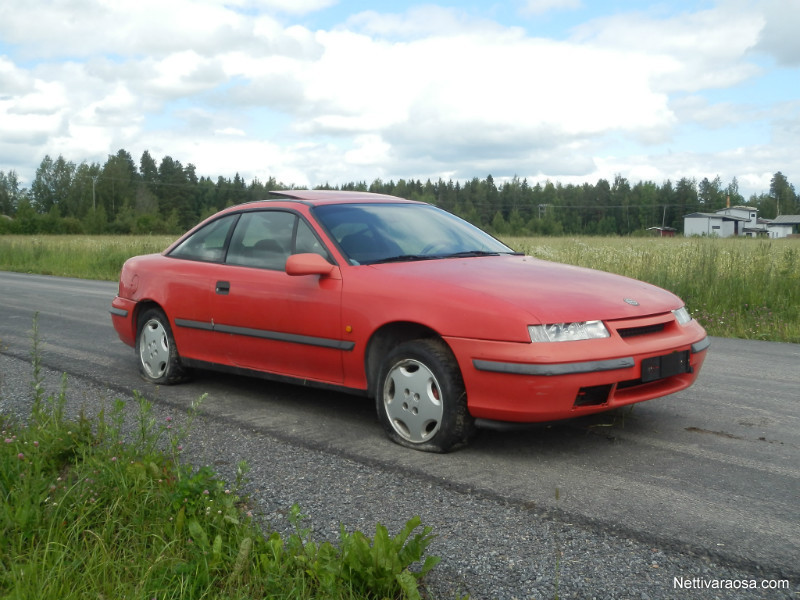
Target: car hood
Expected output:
[550,292]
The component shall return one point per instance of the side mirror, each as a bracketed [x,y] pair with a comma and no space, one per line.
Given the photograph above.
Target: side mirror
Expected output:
[311,264]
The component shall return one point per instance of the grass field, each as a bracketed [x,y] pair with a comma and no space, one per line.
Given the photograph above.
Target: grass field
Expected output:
[746,288]
[84,256]
[104,507]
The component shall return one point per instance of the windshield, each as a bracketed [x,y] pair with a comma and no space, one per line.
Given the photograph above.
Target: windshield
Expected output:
[375,233]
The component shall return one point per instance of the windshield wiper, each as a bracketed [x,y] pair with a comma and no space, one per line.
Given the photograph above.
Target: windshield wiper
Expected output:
[415,257]
[469,253]
[403,258]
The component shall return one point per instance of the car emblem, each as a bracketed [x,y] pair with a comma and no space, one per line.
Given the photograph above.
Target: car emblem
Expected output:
[631,301]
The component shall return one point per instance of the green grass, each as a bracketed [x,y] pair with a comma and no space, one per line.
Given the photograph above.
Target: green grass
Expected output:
[89,512]
[84,256]
[735,287]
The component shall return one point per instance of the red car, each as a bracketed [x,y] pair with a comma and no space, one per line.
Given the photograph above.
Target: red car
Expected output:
[445,326]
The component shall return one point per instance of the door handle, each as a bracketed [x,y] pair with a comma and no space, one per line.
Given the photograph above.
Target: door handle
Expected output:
[223,287]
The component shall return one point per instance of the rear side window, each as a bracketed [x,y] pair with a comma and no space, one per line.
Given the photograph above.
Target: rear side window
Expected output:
[207,244]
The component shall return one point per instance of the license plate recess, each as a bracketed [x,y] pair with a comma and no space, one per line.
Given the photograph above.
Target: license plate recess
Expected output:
[661,367]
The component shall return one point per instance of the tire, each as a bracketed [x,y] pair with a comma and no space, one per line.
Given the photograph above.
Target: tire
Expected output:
[421,399]
[159,362]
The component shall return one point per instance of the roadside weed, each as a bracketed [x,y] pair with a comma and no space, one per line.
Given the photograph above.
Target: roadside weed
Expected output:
[99,508]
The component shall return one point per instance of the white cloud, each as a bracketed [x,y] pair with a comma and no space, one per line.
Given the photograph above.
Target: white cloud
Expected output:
[184,74]
[538,7]
[697,109]
[237,86]
[786,125]
[779,37]
[13,80]
[370,151]
[420,22]
[705,48]
[296,7]
[481,96]
[230,131]
[35,113]
[151,27]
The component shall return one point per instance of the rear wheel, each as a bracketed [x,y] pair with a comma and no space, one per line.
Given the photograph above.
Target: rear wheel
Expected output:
[421,400]
[158,356]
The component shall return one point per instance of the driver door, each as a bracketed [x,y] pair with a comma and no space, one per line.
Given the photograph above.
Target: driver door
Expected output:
[271,321]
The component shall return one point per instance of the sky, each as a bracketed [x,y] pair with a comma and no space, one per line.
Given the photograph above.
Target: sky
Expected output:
[324,91]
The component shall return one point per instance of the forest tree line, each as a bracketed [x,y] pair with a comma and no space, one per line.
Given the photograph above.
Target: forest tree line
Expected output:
[167,197]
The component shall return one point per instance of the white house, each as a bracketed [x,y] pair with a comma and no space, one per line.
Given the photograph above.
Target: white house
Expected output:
[713,224]
[726,222]
[784,226]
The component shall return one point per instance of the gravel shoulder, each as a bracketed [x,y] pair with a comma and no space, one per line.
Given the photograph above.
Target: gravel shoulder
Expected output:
[490,548]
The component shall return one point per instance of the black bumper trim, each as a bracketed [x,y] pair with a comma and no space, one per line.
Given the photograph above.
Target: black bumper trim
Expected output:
[592,366]
[701,345]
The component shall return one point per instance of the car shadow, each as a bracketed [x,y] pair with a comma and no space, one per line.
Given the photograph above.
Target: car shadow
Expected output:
[578,436]
[309,399]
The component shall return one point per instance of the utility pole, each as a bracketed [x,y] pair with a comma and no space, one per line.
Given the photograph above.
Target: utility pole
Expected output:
[94,180]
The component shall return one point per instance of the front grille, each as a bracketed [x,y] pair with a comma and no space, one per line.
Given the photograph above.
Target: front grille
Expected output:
[644,330]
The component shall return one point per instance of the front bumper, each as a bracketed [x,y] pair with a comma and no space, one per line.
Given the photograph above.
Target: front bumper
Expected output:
[537,382]
[123,317]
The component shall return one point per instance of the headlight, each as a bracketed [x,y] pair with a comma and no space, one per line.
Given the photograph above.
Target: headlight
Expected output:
[682,315]
[568,332]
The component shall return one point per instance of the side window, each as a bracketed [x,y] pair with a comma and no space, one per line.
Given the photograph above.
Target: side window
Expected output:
[206,244]
[307,241]
[262,239]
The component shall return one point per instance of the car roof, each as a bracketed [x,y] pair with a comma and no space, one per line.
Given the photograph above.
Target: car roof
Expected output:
[318,197]
[307,197]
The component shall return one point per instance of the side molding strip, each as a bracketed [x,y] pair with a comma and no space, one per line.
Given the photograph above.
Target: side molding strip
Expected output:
[267,335]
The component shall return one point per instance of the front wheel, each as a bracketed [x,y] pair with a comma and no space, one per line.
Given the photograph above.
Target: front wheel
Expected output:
[421,400]
[158,356]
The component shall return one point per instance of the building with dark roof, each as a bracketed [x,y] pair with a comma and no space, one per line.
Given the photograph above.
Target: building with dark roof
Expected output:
[740,220]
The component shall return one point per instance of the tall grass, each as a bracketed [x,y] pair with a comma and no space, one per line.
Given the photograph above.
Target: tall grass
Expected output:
[92,508]
[740,287]
[87,257]
[736,287]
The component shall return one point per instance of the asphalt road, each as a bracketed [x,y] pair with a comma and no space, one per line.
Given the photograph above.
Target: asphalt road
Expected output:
[712,472]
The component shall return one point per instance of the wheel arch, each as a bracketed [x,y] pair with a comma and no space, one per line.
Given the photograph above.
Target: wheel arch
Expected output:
[384,339]
[142,307]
